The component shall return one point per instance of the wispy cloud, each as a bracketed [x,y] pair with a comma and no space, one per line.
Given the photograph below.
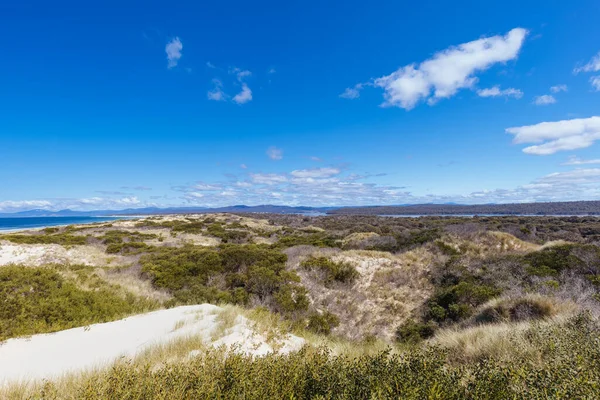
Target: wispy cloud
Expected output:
[240,74]
[447,72]
[275,153]
[217,93]
[578,161]
[353,92]
[591,66]
[557,136]
[244,96]
[595,81]
[315,172]
[544,100]
[139,188]
[558,88]
[268,179]
[210,65]
[173,50]
[496,92]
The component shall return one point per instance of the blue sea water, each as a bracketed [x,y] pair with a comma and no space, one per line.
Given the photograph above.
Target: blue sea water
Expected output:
[41,222]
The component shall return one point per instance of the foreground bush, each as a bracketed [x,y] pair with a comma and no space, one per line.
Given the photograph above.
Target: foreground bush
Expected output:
[569,368]
[40,300]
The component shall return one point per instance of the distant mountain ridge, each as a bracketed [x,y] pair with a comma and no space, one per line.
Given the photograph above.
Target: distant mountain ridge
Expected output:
[169,210]
[547,208]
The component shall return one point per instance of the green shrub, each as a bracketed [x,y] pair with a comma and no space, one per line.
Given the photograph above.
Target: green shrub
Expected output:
[230,273]
[38,300]
[457,302]
[413,332]
[291,298]
[334,271]
[322,322]
[63,239]
[319,239]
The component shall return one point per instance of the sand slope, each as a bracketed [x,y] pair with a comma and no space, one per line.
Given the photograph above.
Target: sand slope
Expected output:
[51,355]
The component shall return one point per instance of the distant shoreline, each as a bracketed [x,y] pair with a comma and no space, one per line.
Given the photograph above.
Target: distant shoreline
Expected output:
[11,225]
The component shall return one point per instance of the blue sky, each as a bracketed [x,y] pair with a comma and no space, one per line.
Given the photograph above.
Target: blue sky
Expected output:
[131,104]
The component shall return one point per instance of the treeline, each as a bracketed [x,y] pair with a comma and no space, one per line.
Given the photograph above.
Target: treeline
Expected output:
[550,208]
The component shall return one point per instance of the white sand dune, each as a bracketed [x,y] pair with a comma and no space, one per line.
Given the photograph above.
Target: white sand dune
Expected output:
[51,355]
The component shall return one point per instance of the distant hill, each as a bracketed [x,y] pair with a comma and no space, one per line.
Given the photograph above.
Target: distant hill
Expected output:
[550,208]
[171,210]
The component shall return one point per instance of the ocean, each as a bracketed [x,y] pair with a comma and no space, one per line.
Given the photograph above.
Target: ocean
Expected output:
[41,222]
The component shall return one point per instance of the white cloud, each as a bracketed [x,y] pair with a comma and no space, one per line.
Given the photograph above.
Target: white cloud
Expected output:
[544,100]
[353,92]
[210,65]
[496,92]
[595,81]
[315,158]
[10,205]
[274,153]
[577,161]
[206,186]
[558,88]
[243,166]
[268,179]
[592,66]
[240,73]
[271,71]
[315,173]
[173,50]
[558,136]
[217,94]
[448,71]
[244,96]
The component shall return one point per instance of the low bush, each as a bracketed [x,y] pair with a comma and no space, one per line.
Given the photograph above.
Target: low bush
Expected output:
[322,323]
[231,273]
[342,272]
[413,332]
[63,239]
[39,300]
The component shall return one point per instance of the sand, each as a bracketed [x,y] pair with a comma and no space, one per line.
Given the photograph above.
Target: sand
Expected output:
[52,355]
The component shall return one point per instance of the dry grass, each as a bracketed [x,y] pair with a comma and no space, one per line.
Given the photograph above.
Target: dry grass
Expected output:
[388,290]
[505,340]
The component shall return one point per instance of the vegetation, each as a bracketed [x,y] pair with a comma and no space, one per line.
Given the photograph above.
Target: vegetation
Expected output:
[481,308]
[63,239]
[342,272]
[568,367]
[229,274]
[39,300]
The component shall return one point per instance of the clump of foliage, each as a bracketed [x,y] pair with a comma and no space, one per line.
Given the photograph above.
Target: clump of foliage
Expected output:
[128,248]
[64,239]
[125,242]
[520,309]
[458,301]
[568,368]
[342,272]
[230,273]
[413,331]
[323,322]
[226,235]
[39,300]
[318,239]
[119,236]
